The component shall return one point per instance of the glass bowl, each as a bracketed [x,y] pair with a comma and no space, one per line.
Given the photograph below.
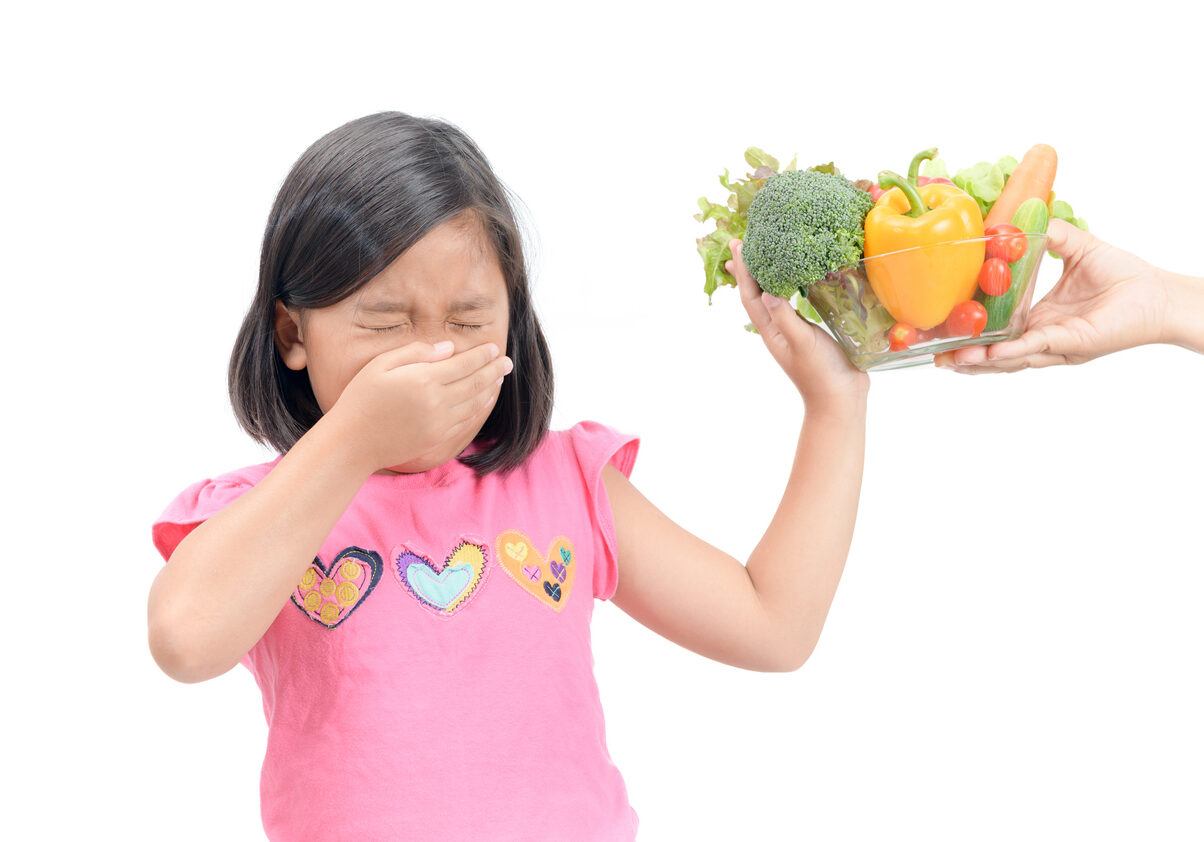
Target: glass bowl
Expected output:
[899,309]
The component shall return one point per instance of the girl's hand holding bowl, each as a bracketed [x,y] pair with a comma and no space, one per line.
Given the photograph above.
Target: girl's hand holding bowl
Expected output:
[810,357]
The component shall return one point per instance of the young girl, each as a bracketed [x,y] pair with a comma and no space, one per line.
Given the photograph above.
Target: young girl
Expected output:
[411,582]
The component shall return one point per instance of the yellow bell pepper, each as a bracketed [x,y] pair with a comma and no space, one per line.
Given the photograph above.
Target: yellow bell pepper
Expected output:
[913,258]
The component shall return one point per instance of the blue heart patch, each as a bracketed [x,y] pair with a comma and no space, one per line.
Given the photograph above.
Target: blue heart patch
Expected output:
[439,589]
[444,588]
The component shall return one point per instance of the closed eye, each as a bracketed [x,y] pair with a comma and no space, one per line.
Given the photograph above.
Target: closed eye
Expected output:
[464,326]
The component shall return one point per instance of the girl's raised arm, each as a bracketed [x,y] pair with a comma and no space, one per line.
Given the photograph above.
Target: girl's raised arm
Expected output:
[228,579]
[768,614]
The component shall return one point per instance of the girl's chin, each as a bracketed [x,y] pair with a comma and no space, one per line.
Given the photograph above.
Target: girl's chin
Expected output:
[415,467]
[426,463]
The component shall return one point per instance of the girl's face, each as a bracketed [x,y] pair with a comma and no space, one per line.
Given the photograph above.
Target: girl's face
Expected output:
[448,286]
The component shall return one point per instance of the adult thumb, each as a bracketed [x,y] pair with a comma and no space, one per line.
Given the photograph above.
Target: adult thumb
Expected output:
[1066,240]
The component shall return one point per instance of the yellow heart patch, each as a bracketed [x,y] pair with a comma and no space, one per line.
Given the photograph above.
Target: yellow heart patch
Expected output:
[550,579]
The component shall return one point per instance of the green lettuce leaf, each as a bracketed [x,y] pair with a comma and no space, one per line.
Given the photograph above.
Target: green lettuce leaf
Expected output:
[731,217]
[934,168]
[731,222]
[983,181]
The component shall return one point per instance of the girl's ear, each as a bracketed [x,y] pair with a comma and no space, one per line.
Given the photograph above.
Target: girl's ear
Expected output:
[289,341]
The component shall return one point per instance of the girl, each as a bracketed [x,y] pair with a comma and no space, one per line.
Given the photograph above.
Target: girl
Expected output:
[411,582]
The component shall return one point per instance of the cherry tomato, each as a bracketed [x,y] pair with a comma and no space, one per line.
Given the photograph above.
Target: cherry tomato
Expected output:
[966,319]
[1007,242]
[930,334]
[995,276]
[902,336]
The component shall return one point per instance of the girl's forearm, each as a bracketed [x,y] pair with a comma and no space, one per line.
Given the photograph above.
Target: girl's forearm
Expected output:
[798,563]
[227,580]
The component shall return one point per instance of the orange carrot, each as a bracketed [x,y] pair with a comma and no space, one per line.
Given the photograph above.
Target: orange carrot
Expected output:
[1032,178]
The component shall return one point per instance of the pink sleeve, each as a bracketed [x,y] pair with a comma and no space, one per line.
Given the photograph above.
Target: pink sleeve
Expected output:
[195,504]
[597,445]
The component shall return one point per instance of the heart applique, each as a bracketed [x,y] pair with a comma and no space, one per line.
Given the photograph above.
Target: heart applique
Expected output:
[548,580]
[327,594]
[446,588]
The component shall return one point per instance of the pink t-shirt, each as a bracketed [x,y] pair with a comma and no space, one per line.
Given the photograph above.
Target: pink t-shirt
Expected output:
[432,677]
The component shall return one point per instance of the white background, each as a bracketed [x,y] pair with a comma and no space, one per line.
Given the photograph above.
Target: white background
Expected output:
[1015,649]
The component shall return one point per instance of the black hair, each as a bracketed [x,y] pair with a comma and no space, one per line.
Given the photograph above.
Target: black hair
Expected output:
[352,203]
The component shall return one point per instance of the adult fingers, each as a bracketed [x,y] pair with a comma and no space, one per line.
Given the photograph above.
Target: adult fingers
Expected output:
[1049,342]
[1013,365]
[970,355]
[1067,240]
[1052,339]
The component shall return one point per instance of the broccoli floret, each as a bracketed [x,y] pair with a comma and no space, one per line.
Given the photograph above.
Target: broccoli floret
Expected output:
[803,225]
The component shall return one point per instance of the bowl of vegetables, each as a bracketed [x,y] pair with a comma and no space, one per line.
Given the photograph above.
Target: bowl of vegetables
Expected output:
[900,308]
[900,268]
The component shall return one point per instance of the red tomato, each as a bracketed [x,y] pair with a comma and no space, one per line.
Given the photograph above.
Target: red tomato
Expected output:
[902,336]
[1007,242]
[966,319]
[995,276]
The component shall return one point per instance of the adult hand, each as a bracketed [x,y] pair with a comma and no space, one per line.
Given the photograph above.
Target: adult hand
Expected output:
[1106,300]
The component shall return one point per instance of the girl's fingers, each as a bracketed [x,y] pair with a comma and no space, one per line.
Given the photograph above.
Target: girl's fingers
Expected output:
[462,365]
[774,318]
[475,384]
[416,352]
[750,290]
[786,320]
[474,410]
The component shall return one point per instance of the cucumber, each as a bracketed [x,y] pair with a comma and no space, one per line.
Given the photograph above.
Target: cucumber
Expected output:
[1032,217]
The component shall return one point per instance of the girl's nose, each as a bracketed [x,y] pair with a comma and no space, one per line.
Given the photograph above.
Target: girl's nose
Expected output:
[432,332]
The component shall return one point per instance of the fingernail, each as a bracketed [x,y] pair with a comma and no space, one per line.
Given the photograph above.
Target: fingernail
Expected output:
[507,365]
[493,352]
[498,382]
[440,347]
[771,301]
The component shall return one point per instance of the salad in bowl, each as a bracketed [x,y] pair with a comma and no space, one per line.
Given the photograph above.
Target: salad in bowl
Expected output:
[900,268]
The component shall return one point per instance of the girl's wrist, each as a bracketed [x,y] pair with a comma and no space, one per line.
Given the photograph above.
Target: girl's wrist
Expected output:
[846,405]
[1183,320]
[336,436]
